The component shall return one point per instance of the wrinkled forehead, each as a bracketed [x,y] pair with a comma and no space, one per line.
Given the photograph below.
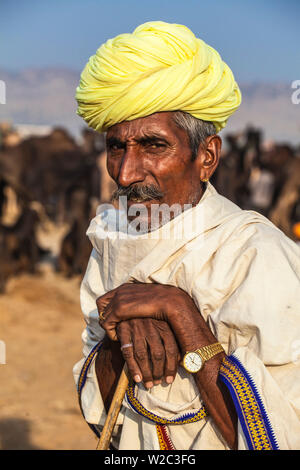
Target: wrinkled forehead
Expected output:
[157,125]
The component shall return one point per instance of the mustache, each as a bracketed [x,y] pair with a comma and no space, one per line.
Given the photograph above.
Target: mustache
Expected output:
[138,193]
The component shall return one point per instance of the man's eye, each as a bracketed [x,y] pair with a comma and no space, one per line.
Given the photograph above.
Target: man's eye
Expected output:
[156,146]
[115,147]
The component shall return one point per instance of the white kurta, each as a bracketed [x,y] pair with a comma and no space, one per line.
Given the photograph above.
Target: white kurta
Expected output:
[243,274]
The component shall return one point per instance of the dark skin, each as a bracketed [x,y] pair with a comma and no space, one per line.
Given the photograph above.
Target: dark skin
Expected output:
[162,322]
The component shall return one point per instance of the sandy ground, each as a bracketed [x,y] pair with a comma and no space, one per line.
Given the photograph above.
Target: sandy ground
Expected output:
[41,325]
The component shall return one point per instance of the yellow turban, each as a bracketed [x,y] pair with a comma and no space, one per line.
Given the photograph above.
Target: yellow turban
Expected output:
[159,67]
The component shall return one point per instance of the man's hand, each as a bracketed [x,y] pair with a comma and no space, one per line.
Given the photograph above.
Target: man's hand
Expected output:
[171,304]
[150,350]
[160,302]
[153,357]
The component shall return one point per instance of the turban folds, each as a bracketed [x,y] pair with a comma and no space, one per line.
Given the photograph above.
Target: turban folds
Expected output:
[159,67]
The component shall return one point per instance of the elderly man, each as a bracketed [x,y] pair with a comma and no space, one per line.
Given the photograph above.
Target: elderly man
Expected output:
[200,298]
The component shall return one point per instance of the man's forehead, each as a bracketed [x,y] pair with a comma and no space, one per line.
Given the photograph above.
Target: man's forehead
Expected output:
[156,125]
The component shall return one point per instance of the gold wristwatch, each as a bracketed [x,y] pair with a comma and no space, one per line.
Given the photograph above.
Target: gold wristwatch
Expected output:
[193,361]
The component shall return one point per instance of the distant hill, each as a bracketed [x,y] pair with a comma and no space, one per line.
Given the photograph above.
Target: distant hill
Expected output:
[269,106]
[41,96]
[46,97]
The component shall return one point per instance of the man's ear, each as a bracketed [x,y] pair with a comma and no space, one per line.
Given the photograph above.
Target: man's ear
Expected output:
[208,156]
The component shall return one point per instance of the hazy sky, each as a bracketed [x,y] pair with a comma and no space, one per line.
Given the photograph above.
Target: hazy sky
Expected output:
[259,39]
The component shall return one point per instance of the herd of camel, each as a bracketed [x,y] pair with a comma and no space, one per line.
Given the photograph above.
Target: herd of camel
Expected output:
[54,178]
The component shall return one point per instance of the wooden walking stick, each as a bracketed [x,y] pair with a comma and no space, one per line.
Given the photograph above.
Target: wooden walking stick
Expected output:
[114,410]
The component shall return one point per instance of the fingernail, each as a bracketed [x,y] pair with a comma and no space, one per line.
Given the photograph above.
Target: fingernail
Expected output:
[169,379]
[149,384]
[157,382]
[137,378]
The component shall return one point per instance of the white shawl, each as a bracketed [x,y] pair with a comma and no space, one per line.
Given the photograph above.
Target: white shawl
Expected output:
[243,274]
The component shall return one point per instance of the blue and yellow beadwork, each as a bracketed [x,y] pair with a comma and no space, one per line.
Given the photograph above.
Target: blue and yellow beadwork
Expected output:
[82,380]
[136,405]
[249,406]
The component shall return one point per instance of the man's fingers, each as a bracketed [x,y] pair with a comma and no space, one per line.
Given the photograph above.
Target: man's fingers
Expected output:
[124,335]
[157,352]
[141,355]
[172,356]
[133,368]
[148,346]
[108,322]
[103,301]
[135,353]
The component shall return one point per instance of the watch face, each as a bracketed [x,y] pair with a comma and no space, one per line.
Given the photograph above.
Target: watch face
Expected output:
[192,362]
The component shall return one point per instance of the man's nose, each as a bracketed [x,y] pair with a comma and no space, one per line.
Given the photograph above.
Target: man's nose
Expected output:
[131,169]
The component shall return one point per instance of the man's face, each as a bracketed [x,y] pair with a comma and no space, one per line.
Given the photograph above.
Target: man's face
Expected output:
[152,152]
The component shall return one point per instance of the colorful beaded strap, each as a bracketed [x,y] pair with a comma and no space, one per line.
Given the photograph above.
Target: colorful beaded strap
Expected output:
[82,380]
[164,440]
[136,405]
[252,415]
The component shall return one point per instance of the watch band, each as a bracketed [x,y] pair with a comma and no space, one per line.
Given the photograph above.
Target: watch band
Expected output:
[207,352]
[194,365]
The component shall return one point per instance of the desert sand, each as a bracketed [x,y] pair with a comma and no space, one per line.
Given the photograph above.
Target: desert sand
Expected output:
[41,325]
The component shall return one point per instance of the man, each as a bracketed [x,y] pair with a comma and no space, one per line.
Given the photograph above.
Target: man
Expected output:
[200,300]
